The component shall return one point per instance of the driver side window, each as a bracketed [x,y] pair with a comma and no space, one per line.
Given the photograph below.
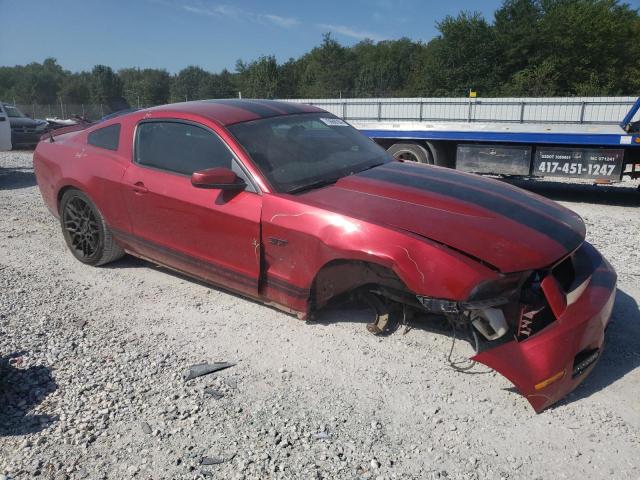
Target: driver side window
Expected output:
[182,148]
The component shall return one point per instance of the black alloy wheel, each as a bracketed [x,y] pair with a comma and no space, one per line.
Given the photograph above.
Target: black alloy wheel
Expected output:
[81,226]
[85,231]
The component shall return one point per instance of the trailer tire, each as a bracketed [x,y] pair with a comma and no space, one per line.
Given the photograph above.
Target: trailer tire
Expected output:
[443,154]
[412,152]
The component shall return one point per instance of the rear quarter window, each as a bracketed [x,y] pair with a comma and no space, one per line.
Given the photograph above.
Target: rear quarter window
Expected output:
[106,137]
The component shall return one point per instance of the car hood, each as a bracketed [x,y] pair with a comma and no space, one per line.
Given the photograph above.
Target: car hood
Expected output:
[504,226]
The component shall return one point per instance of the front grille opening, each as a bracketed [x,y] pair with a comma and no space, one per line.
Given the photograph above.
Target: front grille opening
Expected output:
[565,273]
[532,321]
[584,360]
[534,312]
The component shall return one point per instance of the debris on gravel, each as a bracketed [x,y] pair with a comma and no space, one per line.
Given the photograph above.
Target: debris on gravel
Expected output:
[201,369]
[92,364]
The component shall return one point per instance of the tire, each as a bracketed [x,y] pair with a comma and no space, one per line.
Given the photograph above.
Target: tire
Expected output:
[86,233]
[411,152]
[443,153]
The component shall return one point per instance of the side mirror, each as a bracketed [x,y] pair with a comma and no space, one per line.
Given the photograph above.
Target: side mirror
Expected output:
[220,178]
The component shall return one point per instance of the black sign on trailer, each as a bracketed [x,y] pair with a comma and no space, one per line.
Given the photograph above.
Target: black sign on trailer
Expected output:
[592,163]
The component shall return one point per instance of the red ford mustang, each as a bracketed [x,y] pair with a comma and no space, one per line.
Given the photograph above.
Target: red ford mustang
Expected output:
[290,205]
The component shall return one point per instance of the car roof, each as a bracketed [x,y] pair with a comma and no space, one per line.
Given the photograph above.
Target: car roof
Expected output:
[230,111]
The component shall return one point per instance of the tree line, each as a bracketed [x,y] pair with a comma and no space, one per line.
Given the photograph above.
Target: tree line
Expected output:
[530,48]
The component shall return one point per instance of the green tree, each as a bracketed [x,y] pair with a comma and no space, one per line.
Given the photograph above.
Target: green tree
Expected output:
[518,38]
[145,87]
[592,43]
[383,67]
[258,79]
[289,79]
[462,57]
[220,85]
[32,83]
[539,80]
[189,84]
[104,85]
[533,47]
[75,89]
[328,70]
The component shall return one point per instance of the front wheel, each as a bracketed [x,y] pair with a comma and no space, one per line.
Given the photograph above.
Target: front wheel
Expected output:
[85,231]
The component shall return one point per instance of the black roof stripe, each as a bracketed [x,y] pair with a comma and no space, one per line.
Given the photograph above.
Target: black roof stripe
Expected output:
[285,107]
[260,109]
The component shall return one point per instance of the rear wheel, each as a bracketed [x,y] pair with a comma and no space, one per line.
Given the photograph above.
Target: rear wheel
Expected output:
[85,231]
[411,152]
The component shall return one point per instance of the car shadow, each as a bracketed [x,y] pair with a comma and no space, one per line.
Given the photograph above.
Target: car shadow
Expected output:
[621,354]
[580,192]
[22,389]
[19,177]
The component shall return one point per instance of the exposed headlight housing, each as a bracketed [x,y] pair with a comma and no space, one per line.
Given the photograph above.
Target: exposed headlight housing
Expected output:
[490,293]
[438,305]
[495,292]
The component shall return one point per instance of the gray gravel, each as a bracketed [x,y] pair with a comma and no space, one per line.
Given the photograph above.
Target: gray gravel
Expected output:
[92,362]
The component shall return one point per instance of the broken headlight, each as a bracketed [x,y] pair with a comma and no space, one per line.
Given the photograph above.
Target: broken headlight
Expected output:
[438,305]
[495,292]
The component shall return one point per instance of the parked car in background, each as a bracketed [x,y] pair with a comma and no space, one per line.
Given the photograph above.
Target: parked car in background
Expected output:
[5,130]
[25,131]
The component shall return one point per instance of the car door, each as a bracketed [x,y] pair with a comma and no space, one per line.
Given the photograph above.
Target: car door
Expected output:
[5,130]
[210,233]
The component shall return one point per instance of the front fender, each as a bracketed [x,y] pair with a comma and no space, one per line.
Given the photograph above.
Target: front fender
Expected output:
[300,239]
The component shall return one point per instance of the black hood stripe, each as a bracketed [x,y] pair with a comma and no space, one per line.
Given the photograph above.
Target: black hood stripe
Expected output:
[527,200]
[556,230]
[445,174]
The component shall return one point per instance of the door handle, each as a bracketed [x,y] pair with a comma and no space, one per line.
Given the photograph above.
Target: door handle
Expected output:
[139,187]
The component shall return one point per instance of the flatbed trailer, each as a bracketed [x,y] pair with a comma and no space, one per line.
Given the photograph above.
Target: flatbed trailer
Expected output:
[596,139]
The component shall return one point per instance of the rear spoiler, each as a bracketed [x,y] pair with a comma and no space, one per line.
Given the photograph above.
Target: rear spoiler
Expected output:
[51,133]
[119,106]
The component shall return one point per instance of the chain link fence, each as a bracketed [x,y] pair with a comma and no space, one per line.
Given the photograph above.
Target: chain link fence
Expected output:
[65,110]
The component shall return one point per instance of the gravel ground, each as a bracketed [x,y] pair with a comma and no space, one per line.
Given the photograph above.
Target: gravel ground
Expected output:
[92,363]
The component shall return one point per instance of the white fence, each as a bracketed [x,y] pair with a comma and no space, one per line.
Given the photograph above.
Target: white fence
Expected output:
[569,110]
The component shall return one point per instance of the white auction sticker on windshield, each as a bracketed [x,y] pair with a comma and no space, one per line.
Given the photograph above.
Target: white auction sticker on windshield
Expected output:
[334,122]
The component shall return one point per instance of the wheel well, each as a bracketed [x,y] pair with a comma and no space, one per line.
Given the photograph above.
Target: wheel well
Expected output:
[343,276]
[61,193]
[386,143]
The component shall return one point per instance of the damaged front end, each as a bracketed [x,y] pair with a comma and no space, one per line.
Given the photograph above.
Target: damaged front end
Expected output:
[543,330]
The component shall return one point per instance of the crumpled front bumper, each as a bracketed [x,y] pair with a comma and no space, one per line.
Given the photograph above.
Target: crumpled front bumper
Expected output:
[551,363]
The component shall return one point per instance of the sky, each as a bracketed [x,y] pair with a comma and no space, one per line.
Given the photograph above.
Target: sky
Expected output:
[174,34]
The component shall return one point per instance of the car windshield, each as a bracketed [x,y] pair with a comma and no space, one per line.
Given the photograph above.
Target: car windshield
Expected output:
[300,152]
[13,112]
